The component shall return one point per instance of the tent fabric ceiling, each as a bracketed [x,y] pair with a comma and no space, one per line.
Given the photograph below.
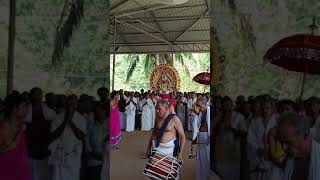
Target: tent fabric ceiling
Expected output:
[145,26]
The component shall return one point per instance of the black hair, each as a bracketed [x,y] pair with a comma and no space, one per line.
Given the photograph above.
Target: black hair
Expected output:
[34,89]
[103,89]
[113,94]
[12,101]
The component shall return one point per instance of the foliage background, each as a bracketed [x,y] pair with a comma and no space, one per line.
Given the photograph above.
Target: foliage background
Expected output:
[192,65]
[246,29]
[84,64]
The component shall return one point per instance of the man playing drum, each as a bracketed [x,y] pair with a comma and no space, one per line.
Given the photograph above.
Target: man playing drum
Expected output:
[168,138]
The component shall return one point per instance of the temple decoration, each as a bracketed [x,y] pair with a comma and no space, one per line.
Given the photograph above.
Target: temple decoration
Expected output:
[165,78]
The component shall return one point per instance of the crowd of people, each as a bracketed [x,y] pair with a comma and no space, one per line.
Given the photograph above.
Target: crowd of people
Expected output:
[263,138]
[56,138]
[66,137]
[146,111]
[137,109]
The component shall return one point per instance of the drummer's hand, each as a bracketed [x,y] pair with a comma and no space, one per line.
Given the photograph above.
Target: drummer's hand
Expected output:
[180,158]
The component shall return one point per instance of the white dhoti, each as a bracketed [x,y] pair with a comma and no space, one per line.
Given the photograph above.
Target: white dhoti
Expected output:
[189,119]
[66,150]
[202,157]
[165,148]
[105,168]
[153,117]
[314,164]
[123,120]
[131,119]
[40,169]
[146,119]
[65,173]
[195,126]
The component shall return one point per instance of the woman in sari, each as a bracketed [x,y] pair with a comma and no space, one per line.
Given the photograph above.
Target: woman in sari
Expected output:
[115,129]
[13,149]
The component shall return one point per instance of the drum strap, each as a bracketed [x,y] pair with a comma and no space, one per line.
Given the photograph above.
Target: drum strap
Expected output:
[163,127]
[176,146]
[161,132]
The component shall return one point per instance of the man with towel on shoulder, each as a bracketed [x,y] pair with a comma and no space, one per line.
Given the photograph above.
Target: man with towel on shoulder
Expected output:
[168,136]
[202,140]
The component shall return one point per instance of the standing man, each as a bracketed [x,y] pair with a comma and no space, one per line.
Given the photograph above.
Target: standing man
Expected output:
[203,140]
[103,94]
[131,106]
[139,111]
[181,110]
[122,109]
[68,135]
[190,104]
[38,122]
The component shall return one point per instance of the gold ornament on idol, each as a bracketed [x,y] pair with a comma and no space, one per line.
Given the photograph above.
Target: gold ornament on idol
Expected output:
[164,77]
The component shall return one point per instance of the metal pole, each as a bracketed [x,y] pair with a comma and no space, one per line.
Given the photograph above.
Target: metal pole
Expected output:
[12,30]
[114,52]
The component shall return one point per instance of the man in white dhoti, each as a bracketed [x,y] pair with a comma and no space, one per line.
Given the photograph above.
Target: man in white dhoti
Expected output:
[303,150]
[146,123]
[68,134]
[122,109]
[95,145]
[131,106]
[139,111]
[227,151]
[190,104]
[181,110]
[258,147]
[105,175]
[38,122]
[203,140]
[168,136]
[153,109]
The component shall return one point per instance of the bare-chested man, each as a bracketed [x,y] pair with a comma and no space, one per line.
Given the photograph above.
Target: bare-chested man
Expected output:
[173,131]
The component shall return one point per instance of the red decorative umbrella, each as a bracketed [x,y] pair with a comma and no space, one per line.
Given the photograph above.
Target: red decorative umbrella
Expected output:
[299,53]
[202,78]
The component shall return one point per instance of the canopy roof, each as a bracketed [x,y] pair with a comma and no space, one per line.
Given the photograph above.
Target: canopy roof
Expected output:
[145,26]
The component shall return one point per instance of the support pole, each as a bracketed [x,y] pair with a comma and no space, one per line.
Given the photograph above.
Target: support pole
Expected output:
[114,52]
[10,57]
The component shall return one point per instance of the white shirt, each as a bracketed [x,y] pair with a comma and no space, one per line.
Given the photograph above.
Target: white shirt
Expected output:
[131,106]
[94,142]
[71,152]
[139,105]
[191,102]
[47,112]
